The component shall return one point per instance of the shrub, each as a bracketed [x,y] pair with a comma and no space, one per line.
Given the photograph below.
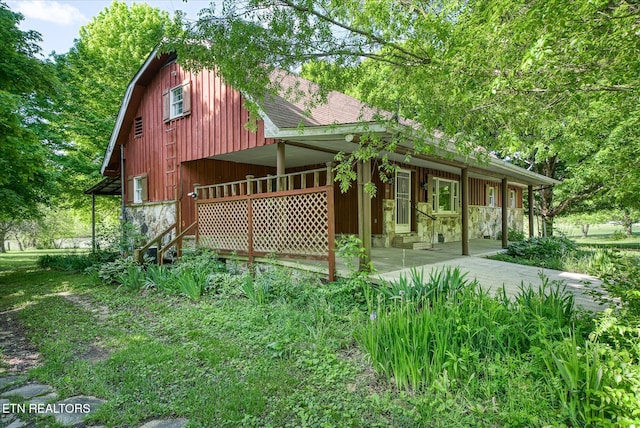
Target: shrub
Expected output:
[542,248]
[618,235]
[133,278]
[513,235]
[111,272]
[75,262]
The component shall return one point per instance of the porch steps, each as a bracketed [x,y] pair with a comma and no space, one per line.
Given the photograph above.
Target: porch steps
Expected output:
[410,242]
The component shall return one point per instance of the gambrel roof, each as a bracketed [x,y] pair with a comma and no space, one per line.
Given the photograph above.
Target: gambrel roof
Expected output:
[322,125]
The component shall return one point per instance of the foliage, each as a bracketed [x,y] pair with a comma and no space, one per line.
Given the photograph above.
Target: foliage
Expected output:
[222,361]
[563,254]
[193,275]
[441,284]
[112,272]
[94,75]
[75,262]
[133,278]
[416,337]
[26,154]
[546,247]
[557,91]
[514,235]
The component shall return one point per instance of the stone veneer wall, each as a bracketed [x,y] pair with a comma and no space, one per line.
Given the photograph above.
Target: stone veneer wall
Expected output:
[487,221]
[152,219]
[483,221]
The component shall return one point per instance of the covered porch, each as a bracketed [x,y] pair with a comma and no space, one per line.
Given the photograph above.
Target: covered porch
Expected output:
[388,260]
[392,263]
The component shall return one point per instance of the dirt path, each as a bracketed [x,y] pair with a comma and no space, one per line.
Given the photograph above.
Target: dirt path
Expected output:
[19,356]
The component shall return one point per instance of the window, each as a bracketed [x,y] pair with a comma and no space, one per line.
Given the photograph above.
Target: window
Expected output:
[491,196]
[176,101]
[512,198]
[137,127]
[137,190]
[445,196]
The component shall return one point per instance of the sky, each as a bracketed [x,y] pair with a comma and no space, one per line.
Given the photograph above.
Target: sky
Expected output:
[59,21]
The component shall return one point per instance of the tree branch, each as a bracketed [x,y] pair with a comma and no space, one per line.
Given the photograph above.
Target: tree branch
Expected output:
[586,194]
[354,30]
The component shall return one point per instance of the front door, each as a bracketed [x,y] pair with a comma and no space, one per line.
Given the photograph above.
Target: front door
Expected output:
[403,201]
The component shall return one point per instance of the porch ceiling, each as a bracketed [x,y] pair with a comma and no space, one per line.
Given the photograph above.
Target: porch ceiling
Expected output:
[304,152]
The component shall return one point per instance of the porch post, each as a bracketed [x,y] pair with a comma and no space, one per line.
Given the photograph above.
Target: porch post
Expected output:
[530,196]
[331,220]
[280,166]
[366,218]
[505,213]
[93,222]
[364,213]
[465,211]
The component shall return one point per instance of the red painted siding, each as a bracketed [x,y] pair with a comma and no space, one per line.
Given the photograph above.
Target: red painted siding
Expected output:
[215,126]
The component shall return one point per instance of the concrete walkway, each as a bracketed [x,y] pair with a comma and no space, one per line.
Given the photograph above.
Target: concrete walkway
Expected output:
[493,274]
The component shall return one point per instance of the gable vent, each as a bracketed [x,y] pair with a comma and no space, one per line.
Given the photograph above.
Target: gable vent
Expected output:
[137,127]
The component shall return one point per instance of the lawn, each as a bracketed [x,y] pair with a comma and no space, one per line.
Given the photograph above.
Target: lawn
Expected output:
[291,360]
[602,235]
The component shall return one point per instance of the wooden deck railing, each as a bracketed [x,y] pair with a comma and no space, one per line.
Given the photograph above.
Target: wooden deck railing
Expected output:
[269,184]
[290,215]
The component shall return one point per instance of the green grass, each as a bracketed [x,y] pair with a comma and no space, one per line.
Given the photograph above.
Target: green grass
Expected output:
[288,359]
[24,259]
[599,234]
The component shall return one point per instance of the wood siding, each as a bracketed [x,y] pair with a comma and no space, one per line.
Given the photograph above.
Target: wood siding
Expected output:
[215,125]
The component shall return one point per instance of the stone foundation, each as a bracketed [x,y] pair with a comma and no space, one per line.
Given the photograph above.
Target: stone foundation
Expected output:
[484,222]
[152,219]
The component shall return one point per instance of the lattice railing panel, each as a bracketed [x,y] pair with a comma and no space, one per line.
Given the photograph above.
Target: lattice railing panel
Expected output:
[293,224]
[222,225]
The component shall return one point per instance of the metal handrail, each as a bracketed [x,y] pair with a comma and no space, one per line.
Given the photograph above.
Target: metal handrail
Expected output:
[433,223]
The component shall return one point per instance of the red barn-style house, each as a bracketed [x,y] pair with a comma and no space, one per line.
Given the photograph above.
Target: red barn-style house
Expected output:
[185,164]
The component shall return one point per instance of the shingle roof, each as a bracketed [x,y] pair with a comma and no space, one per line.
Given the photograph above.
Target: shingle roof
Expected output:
[294,111]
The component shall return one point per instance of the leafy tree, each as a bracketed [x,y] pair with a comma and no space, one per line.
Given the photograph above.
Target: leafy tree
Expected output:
[25,154]
[546,82]
[95,74]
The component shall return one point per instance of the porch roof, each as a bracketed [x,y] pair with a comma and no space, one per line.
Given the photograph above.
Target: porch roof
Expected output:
[324,129]
[320,144]
[107,186]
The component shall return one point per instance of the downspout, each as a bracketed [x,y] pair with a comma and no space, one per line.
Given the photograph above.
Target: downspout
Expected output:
[122,184]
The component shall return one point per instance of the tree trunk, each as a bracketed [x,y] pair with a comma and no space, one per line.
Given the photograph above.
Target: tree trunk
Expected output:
[3,235]
[548,169]
[585,230]
[20,246]
[627,222]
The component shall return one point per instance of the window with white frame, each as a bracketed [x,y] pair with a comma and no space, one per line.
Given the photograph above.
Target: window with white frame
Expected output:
[137,190]
[445,196]
[491,196]
[512,198]
[176,102]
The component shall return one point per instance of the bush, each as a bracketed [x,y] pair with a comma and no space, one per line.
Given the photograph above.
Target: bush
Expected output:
[513,235]
[75,262]
[542,248]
